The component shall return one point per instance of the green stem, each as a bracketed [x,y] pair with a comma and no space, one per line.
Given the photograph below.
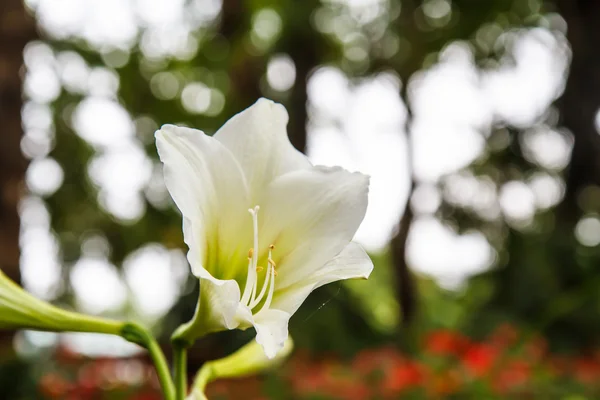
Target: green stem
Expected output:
[180,369]
[139,335]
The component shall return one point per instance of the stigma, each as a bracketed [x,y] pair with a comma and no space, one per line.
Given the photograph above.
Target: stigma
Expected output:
[251,296]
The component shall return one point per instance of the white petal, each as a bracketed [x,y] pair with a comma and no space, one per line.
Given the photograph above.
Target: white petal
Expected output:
[216,309]
[258,139]
[209,188]
[352,263]
[310,216]
[271,330]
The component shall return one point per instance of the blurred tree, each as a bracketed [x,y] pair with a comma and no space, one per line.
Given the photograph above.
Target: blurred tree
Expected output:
[550,278]
[424,40]
[16,29]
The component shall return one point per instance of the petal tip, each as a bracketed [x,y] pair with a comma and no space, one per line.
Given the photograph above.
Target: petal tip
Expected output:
[368,272]
[164,129]
[269,108]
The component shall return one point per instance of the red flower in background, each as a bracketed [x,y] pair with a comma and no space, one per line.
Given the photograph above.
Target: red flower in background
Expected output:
[504,336]
[499,366]
[513,375]
[372,360]
[587,370]
[405,376]
[443,383]
[54,386]
[479,359]
[445,342]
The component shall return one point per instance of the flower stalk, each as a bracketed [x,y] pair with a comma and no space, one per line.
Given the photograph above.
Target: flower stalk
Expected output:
[139,335]
[180,368]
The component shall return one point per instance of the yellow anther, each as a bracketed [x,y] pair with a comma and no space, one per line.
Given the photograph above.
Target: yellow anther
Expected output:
[272,246]
[270,261]
[259,268]
[250,253]
[274,272]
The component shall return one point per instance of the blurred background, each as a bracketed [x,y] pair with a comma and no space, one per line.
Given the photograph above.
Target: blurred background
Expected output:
[477,121]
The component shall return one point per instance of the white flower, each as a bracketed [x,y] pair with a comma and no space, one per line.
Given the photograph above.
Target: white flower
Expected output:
[264,227]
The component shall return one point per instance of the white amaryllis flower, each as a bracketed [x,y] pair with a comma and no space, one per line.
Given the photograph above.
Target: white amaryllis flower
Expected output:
[264,227]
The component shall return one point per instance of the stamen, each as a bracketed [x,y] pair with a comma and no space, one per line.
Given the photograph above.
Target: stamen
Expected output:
[249,297]
[271,291]
[251,280]
[249,284]
[263,290]
[269,282]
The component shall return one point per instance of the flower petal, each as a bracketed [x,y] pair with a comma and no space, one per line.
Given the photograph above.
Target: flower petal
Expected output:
[352,263]
[216,310]
[209,188]
[258,139]
[310,216]
[271,330]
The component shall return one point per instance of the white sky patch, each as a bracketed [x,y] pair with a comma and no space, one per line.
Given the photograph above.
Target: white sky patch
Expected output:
[435,249]
[97,345]
[167,26]
[450,115]
[40,265]
[281,72]
[328,92]
[469,191]
[37,116]
[155,277]
[103,82]
[73,71]
[44,176]
[517,201]
[103,23]
[549,148]
[587,231]
[121,175]
[159,12]
[426,199]
[102,122]
[547,189]
[195,97]
[361,130]
[172,40]
[42,84]
[97,285]
[520,92]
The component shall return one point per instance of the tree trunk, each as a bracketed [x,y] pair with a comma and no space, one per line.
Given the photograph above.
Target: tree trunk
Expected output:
[16,29]
[581,100]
